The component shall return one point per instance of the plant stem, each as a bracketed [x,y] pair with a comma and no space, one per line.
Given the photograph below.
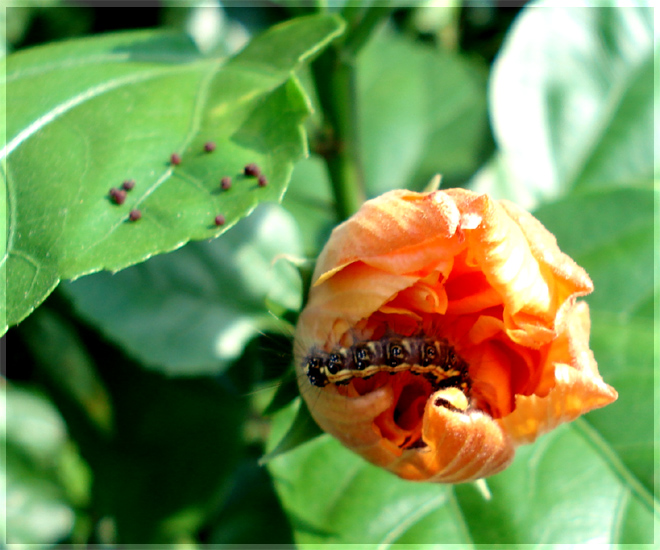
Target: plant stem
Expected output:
[335,78]
[364,28]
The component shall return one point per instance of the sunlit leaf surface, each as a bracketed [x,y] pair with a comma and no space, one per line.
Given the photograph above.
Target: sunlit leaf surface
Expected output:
[422,112]
[116,108]
[572,101]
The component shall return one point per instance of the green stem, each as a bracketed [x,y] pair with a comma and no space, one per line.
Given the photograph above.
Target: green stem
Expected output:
[352,11]
[363,30]
[335,78]
[335,81]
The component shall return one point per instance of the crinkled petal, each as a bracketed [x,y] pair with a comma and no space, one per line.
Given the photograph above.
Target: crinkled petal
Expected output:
[522,262]
[349,419]
[464,445]
[572,374]
[461,444]
[349,296]
[400,232]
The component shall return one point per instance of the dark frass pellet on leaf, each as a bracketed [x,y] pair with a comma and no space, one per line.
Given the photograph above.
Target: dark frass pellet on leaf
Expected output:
[118,196]
[175,159]
[128,185]
[251,170]
[219,220]
[262,181]
[209,146]
[225,183]
[135,215]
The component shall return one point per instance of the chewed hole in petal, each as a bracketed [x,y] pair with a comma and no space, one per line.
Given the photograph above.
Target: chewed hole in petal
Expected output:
[402,422]
[409,409]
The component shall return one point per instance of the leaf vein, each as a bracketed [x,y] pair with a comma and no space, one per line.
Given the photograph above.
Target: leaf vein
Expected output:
[11,214]
[73,102]
[31,260]
[64,64]
[404,523]
[629,480]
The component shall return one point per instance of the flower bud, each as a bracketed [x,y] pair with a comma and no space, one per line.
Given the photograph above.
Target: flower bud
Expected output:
[441,331]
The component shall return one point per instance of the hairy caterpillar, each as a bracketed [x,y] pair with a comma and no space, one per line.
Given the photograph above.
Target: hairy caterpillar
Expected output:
[435,359]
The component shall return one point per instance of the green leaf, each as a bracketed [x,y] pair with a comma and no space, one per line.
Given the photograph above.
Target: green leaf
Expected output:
[41,467]
[117,106]
[63,360]
[286,392]
[302,430]
[610,233]
[564,475]
[333,496]
[192,311]
[624,351]
[422,112]
[310,200]
[572,101]
[3,248]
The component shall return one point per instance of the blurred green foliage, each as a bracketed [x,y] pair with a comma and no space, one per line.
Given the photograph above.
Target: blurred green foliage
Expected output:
[139,403]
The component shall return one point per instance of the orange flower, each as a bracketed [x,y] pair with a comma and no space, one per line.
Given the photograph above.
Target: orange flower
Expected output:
[442,331]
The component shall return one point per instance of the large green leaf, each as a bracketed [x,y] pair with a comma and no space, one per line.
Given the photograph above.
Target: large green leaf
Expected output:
[309,199]
[572,101]
[116,107]
[609,232]
[192,311]
[422,112]
[302,429]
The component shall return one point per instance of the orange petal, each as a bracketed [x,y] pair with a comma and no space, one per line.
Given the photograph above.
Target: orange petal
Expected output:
[350,295]
[400,232]
[577,387]
[522,262]
[462,445]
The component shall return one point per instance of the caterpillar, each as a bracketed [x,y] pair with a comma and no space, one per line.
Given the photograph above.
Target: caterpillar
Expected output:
[435,359]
